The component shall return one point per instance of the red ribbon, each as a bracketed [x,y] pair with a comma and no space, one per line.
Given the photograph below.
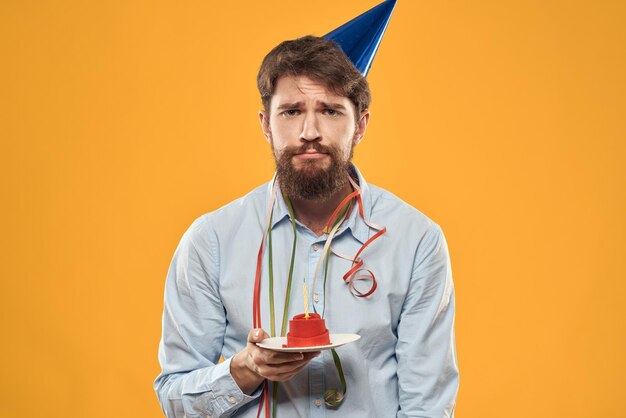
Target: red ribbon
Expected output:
[350,277]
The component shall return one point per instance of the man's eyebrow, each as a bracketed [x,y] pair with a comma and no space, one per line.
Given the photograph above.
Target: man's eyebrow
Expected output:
[336,106]
[297,105]
[294,105]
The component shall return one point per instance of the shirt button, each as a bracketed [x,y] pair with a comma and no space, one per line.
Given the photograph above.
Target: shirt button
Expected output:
[316,297]
[315,247]
[232,399]
[318,402]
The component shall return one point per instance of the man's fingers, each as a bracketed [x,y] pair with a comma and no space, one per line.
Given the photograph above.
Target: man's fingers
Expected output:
[261,355]
[280,372]
[311,355]
[279,377]
[284,370]
[274,365]
[256,335]
[276,357]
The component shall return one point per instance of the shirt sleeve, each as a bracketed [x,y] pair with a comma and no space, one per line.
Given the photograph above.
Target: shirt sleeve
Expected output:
[428,374]
[192,383]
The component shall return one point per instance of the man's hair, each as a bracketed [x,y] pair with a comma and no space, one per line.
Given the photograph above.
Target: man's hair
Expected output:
[319,59]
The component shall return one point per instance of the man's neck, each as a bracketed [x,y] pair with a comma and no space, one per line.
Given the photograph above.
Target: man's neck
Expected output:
[315,214]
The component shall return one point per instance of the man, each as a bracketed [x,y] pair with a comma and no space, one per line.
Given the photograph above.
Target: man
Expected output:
[315,112]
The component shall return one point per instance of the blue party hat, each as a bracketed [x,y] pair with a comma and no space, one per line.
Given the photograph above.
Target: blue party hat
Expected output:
[360,37]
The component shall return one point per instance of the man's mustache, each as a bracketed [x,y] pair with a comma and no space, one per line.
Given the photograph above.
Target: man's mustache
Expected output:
[316,146]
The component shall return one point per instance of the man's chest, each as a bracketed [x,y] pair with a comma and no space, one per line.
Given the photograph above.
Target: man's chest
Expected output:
[328,290]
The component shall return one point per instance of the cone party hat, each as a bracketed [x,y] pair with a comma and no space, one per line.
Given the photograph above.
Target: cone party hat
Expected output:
[360,38]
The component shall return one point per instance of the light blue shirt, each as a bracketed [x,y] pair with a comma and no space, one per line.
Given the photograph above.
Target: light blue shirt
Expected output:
[404,365]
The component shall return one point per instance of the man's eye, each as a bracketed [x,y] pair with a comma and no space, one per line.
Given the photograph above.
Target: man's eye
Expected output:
[332,112]
[291,112]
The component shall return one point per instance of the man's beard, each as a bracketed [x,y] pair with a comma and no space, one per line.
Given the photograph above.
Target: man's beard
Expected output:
[311,182]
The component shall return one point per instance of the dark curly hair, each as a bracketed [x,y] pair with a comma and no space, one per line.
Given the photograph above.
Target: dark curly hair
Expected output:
[319,59]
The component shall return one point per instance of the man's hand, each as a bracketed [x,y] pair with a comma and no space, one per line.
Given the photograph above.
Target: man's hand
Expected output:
[253,364]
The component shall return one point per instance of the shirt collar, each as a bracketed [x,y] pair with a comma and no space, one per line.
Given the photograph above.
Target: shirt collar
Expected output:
[355,224]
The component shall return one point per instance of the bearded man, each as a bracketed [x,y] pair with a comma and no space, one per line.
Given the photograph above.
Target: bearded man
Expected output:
[389,282]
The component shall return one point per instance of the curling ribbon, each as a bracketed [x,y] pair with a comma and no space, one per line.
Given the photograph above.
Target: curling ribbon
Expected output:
[355,273]
[256,303]
[332,397]
[256,308]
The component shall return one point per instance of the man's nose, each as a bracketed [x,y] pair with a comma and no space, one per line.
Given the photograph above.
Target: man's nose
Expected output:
[310,131]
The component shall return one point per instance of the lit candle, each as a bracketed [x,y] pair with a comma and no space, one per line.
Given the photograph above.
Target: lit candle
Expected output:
[306,301]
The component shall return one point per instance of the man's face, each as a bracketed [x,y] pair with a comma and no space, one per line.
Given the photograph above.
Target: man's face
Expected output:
[312,131]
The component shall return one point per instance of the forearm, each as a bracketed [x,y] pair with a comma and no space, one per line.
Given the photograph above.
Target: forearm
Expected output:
[247,380]
[429,376]
[208,391]
[192,382]
[427,368]
[253,364]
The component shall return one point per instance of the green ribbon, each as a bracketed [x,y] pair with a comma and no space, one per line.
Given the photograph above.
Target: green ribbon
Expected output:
[283,329]
[332,397]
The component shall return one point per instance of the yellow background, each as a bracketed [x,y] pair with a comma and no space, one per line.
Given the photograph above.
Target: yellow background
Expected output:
[504,121]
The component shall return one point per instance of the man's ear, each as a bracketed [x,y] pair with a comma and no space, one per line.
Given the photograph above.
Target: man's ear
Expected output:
[361,126]
[265,125]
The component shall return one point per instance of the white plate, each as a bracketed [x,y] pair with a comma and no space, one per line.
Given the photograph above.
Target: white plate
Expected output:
[336,340]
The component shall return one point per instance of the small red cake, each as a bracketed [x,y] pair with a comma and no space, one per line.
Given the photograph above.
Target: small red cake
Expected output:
[309,332]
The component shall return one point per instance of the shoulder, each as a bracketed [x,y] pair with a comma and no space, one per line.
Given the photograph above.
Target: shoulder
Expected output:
[409,231]
[244,206]
[386,205]
[414,234]
[228,218]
